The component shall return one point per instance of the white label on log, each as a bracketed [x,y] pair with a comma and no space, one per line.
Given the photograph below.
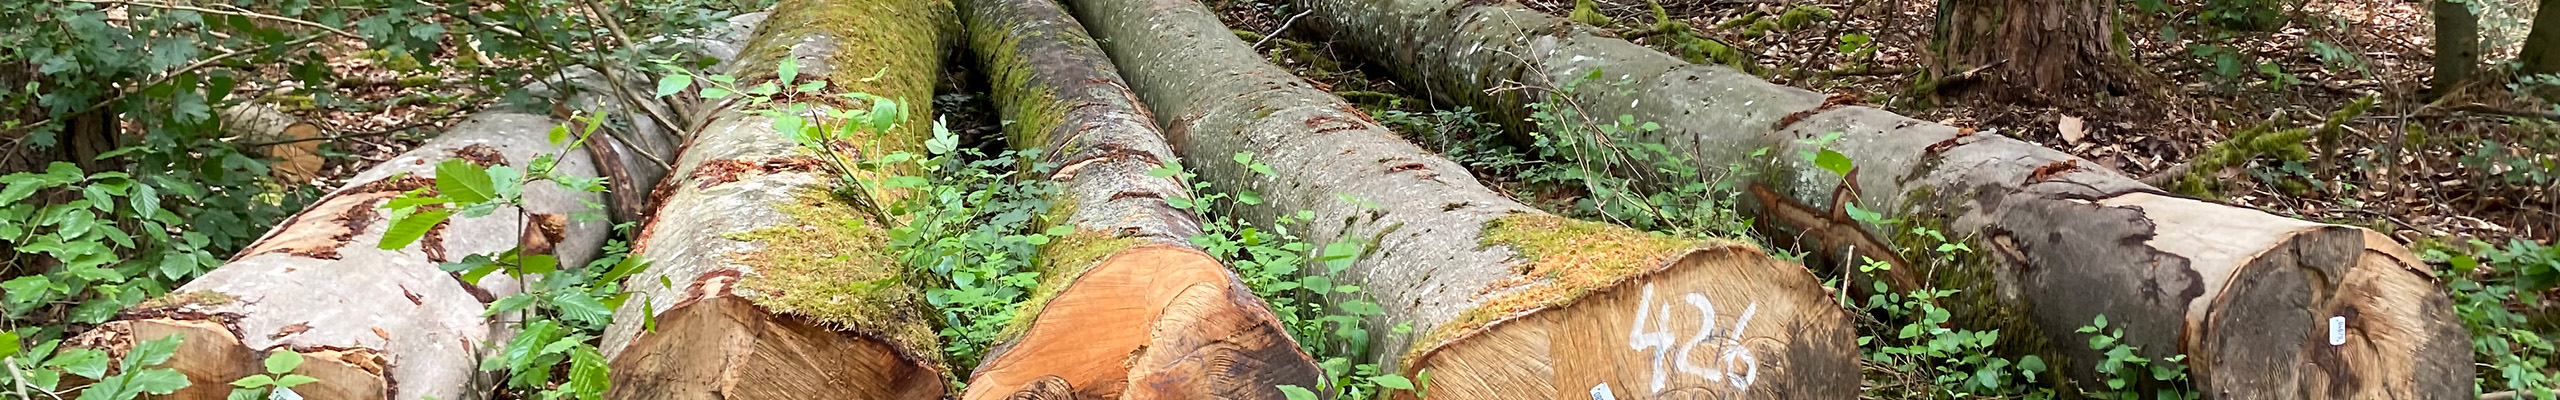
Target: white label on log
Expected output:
[1602,392]
[1729,361]
[2337,330]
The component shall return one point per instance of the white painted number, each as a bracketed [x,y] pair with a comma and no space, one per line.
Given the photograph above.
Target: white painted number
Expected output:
[1729,361]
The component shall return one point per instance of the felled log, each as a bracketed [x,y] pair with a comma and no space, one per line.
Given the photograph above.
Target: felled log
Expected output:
[1505,301]
[2263,306]
[1126,304]
[297,148]
[765,283]
[371,323]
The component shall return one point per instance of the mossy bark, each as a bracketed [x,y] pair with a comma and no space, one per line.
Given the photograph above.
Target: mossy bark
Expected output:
[2057,240]
[1503,318]
[376,324]
[1126,300]
[2541,54]
[755,255]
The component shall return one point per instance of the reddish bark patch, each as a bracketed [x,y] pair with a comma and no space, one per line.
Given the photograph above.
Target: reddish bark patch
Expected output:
[2048,171]
[713,283]
[482,154]
[721,172]
[1330,123]
[1828,103]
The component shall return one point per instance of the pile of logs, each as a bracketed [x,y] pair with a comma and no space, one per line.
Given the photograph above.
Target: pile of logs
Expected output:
[765,282]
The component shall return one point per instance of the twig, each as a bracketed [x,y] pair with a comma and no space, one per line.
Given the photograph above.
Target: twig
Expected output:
[1284,27]
[173,74]
[2476,108]
[243,13]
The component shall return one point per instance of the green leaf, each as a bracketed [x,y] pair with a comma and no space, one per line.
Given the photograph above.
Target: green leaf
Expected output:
[463,181]
[283,361]
[510,303]
[673,83]
[408,230]
[588,373]
[255,381]
[247,394]
[579,306]
[1297,393]
[537,264]
[1834,161]
[156,381]
[152,352]
[559,133]
[87,363]
[1397,382]
[8,344]
[789,70]
[294,380]
[884,114]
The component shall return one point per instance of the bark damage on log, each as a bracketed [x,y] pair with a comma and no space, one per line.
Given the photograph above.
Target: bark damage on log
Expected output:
[1126,306]
[1505,301]
[764,283]
[2250,297]
[372,323]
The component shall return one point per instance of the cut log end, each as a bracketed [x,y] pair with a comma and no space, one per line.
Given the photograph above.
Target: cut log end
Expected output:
[725,347]
[1154,322]
[1716,322]
[2335,312]
[210,352]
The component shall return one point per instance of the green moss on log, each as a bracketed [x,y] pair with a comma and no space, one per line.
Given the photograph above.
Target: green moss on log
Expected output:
[1570,257]
[889,48]
[830,265]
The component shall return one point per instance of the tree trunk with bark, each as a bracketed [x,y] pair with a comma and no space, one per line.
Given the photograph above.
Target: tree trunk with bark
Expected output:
[1504,301]
[373,323]
[2457,46]
[763,282]
[2541,53]
[2262,305]
[2041,51]
[1127,306]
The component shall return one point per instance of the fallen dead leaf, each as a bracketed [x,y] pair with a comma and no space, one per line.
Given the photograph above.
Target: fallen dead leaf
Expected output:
[2073,129]
[377,331]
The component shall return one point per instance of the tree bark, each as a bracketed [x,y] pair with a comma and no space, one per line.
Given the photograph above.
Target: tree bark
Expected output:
[2253,299]
[2457,46]
[1508,302]
[1127,305]
[763,282]
[373,323]
[2037,51]
[2541,53]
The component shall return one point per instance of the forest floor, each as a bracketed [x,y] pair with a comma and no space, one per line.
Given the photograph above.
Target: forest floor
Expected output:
[2480,175]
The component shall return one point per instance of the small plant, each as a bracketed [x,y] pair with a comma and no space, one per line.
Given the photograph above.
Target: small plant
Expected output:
[2493,286]
[279,378]
[1296,277]
[1640,184]
[39,370]
[2126,371]
[564,310]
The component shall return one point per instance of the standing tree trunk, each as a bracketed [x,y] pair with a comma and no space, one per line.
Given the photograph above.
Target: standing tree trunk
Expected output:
[2262,305]
[1127,306]
[376,324]
[2038,51]
[764,283]
[1504,301]
[2457,46]
[2542,46]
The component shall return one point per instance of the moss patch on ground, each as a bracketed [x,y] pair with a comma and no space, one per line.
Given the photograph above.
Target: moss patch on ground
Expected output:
[830,265]
[1567,259]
